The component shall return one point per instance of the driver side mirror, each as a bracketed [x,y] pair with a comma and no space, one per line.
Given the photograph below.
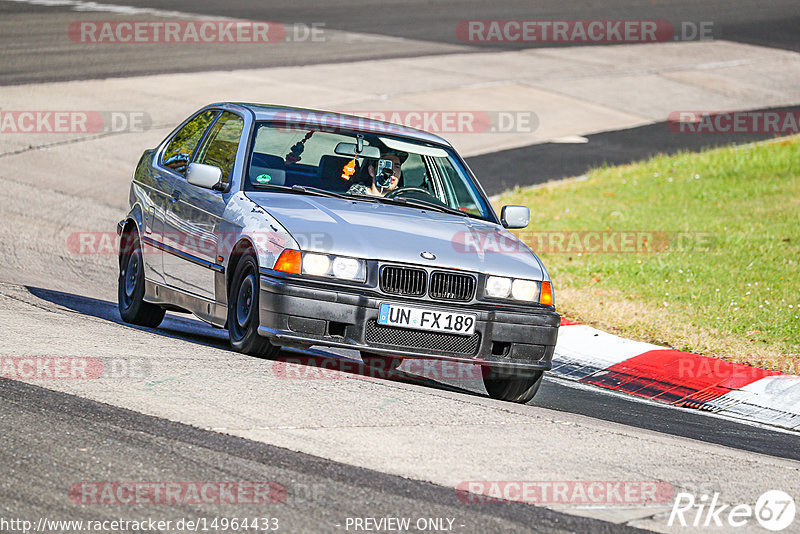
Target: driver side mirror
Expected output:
[201,175]
[515,216]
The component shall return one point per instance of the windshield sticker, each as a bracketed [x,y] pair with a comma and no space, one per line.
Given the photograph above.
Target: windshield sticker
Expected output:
[263,178]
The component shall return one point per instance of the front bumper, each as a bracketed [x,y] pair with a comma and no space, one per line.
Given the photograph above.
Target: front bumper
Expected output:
[298,315]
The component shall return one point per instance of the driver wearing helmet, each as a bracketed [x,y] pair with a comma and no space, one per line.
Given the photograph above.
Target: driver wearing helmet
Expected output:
[368,184]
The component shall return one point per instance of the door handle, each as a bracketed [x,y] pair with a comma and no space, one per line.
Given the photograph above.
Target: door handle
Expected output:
[176,196]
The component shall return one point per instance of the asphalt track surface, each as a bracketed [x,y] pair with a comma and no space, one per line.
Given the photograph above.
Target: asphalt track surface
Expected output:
[768,24]
[35,46]
[49,436]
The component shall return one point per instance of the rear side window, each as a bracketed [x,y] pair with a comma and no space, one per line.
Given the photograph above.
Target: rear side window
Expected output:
[179,151]
[219,148]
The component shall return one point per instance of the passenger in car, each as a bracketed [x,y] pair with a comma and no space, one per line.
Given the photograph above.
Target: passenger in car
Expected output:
[365,178]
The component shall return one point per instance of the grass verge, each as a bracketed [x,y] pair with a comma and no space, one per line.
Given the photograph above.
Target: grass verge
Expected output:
[698,251]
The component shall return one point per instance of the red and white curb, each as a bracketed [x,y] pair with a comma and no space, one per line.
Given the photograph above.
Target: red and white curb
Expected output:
[585,354]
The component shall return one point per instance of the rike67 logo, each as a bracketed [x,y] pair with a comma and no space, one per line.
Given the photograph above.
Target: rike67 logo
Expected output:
[774,510]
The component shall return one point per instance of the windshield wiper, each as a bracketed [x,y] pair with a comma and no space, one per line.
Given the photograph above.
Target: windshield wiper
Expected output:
[317,191]
[422,204]
[446,209]
[368,198]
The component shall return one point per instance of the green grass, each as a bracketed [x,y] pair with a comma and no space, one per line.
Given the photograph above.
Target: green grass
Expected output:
[734,271]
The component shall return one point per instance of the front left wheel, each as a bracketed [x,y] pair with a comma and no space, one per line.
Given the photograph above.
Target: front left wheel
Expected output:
[243,318]
[513,387]
[130,287]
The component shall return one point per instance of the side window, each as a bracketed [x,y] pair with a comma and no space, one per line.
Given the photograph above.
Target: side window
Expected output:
[179,151]
[463,197]
[220,146]
[413,171]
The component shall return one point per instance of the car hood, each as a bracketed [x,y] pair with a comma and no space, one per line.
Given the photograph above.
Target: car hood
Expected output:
[377,231]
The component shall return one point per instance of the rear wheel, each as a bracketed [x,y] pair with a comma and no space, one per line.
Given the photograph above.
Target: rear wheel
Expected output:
[243,319]
[379,363]
[130,287]
[513,387]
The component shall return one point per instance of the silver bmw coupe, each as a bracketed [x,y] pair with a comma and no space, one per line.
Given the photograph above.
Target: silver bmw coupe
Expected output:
[294,227]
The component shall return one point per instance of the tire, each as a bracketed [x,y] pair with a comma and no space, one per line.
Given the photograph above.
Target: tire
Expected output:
[509,388]
[243,318]
[377,363]
[130,286]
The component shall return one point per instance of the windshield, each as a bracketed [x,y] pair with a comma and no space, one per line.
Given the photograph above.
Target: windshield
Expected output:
[363,166]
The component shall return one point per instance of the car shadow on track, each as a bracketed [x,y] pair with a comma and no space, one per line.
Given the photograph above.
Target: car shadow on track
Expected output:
[319,364]
[174,326]
[301,363]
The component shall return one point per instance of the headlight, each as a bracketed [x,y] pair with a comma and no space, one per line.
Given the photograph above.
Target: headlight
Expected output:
[498,287]
[334,266]
[527,290]
[316,264]
[347,268]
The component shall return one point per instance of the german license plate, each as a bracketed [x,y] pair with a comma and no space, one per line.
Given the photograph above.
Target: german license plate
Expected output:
[426,319]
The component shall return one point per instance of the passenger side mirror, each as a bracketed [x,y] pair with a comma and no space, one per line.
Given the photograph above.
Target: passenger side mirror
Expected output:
[515,216]
[202,175]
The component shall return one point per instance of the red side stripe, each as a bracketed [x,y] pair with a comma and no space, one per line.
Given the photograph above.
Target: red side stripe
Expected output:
[676,377]
[567,322]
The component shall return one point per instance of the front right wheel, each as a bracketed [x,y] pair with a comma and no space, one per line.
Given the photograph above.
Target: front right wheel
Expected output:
[243,319]
[513,388]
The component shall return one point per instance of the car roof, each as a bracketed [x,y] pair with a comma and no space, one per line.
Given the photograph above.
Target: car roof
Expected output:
[309,117]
